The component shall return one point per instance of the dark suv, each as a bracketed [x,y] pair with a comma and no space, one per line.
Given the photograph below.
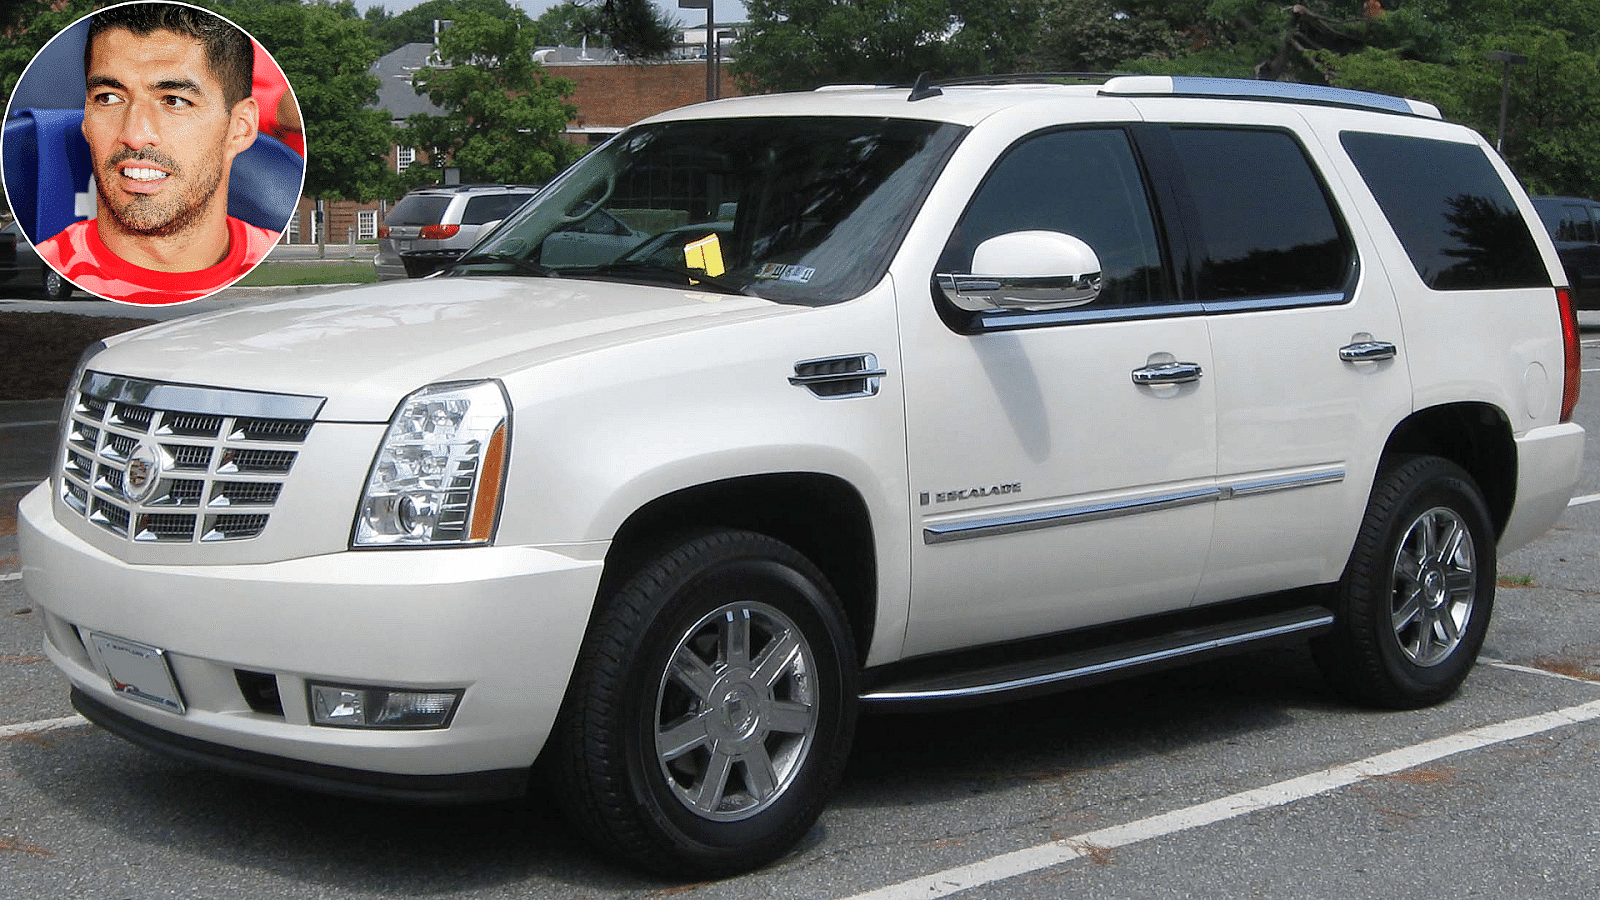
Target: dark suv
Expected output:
[1574,225]
[432,226]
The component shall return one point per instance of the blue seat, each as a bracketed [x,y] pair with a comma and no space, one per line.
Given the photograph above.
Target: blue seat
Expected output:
[47,175]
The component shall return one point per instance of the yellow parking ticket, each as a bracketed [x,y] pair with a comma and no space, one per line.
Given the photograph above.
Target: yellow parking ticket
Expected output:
[705,255]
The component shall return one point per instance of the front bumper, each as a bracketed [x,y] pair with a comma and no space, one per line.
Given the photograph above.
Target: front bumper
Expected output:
[502,623]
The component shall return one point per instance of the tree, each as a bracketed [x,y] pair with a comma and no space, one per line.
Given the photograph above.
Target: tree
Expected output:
[325,51]
[507,115]
[571,24]
[637,29]
[801,44]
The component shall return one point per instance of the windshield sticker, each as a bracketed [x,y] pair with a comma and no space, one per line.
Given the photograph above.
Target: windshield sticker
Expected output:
[705,255]
[781,272]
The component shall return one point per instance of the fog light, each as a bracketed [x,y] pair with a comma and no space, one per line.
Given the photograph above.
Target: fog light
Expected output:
[346,706]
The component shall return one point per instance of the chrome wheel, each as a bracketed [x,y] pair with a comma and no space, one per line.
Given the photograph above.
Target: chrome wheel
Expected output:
[1435,585]
[736,711]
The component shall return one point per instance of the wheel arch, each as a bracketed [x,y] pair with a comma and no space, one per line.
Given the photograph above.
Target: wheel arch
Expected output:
[1475,436]
[822,516]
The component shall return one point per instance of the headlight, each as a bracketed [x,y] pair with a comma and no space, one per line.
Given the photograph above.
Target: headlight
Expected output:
[437,478]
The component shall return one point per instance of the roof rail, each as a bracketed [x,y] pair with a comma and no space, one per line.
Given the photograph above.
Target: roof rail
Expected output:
[1246,89]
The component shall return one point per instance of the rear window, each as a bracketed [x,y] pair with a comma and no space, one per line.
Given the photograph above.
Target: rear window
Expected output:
[417,209]
[491,207]
[1452,213]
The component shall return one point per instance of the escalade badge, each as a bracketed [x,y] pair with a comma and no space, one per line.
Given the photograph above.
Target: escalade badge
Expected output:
[144,472]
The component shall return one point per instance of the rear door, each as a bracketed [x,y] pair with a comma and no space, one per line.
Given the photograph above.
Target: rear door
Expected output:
[1308,371]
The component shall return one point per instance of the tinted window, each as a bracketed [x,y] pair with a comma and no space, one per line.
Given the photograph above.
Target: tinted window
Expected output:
[491,207]
[1265,225]
[417,209]
[1577,225]
[1083,183]
[1452,213]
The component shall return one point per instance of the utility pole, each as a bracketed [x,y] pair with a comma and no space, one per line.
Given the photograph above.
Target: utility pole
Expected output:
[1507,60]
[711,42]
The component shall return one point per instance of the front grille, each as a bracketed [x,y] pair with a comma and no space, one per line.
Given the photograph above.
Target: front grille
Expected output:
[175,464]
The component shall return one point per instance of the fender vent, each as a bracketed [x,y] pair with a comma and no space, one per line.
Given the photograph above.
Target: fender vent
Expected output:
[839,377]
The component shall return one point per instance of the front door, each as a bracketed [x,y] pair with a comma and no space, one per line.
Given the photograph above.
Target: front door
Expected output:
[1050,489]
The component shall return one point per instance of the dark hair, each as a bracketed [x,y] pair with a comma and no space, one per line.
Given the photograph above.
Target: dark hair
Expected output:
[229,52]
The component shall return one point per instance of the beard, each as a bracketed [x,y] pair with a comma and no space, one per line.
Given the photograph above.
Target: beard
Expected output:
[166,214]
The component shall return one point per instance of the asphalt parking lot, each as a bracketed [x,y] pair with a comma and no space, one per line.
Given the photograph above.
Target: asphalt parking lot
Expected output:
[1240,778]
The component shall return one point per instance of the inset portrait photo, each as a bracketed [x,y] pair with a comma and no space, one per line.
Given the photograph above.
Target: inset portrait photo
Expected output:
[153,153]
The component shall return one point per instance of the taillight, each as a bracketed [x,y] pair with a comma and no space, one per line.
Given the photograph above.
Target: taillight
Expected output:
[1574,362]
[383,232]
[439,232]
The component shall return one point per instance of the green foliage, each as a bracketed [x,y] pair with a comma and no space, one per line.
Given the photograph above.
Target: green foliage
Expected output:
[325,51]
[1097,36]
[637,29]
[506,115]
[572,24]
[801,44]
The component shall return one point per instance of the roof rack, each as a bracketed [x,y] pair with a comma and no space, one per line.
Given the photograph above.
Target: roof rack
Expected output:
[1283,91]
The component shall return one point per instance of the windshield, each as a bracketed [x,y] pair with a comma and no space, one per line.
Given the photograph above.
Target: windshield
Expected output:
[797,209]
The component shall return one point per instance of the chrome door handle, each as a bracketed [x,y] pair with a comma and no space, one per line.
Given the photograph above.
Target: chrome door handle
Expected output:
[1167,373]
[1367,351]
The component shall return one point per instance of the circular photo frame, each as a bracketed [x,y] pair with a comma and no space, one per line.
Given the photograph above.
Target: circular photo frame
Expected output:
[153,153]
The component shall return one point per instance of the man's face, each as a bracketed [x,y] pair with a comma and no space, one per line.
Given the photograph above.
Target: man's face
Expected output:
[160,133]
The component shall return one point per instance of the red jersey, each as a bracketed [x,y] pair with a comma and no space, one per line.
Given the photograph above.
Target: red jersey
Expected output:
[78,253]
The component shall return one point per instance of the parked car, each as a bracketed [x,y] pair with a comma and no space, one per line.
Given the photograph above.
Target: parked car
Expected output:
[1574,225]
[21,269]
[430,227]
[985,391]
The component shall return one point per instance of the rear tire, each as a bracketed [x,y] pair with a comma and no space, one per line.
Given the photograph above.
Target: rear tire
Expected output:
[56,287]
[1414,603]
[712,709]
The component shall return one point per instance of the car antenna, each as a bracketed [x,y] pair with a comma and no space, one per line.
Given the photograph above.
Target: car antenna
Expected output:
[922,90]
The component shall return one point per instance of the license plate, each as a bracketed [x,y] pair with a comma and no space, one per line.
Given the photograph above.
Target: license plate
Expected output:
[402,245]
[138,671]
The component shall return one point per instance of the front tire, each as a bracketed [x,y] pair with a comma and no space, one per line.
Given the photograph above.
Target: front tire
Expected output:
[712,710]
[1414,603]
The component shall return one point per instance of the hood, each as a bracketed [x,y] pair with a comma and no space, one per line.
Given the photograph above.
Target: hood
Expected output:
[365,348]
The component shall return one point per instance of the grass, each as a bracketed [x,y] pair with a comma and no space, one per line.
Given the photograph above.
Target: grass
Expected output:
[274,273]
[1515,581]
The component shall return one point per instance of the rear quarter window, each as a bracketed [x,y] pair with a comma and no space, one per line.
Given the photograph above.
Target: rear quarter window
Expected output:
[1452,213]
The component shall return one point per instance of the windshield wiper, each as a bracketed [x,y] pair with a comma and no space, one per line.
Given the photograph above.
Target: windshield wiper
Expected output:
[696,277]
[519,263]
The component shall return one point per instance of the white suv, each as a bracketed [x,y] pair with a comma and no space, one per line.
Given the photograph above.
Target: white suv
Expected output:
[902,399]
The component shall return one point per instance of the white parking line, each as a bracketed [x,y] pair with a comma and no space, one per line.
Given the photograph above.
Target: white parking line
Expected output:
[1586,498]
[11,576]
[74,721]
[1044,856]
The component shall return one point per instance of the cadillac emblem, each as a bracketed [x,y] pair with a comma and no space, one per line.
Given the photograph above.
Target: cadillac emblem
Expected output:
[145,467]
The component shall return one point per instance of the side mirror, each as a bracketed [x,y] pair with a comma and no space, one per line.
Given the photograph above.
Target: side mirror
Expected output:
[1030,270]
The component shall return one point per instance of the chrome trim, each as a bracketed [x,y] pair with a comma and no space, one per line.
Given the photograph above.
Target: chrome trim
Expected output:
[868,373]
[1115,665]
[192,399]
[1012,524]
[1368,351]
[1096,512]
[1284,483]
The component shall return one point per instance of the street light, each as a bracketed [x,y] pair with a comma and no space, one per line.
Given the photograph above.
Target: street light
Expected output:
[711,38]
[1507,60]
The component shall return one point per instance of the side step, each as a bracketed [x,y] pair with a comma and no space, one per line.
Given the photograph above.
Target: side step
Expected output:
[1013,679]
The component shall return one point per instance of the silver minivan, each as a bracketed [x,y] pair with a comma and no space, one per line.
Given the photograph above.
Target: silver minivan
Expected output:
[432,226]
